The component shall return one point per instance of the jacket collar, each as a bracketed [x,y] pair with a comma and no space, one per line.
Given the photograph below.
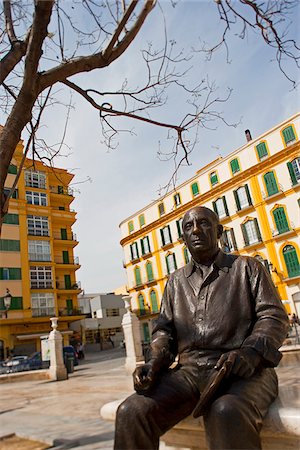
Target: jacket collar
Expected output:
[222,261]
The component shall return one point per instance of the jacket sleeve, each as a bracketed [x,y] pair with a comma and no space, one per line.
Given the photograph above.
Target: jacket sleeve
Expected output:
[271,324]
[164,342]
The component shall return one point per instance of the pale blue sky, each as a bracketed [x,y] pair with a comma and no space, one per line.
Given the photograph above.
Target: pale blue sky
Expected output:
[126,179]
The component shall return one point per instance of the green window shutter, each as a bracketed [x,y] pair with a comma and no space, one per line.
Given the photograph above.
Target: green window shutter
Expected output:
[213,179]
[292,173]
[291,261]
[65,255]
[225,205]
[153,298]
[146,333]
[12,169]
[149,271]
[2,307]
[11,219]
[63,234]
[195,188]
[257,230]
[280,220]
[142,220]
[248,194]
[179,227]
[237,200]
[142,246]
[186,255]
[245,235]
[69,303]
[9,245]
[288,134]
[130,227]
[162,237]
[137,274]
[175,263]
[271,184]
[16,303]
[15,273]
[261,150]
[235,167]
[215,208]
[67,281]
[141,305]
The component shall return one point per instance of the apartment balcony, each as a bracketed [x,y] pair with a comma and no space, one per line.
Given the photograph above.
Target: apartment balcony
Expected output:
[62,286]
[61,190]
[65,237]
[66,261]
[70,312]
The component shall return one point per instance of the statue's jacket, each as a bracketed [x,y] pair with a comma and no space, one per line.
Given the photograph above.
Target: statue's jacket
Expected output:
[236,306]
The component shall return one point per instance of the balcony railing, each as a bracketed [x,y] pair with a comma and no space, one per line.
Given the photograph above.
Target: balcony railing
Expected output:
[74,261]
[43,312]
[41,284]
[66,237]
[39,257]
[61,190]
[73,287]
[71,312]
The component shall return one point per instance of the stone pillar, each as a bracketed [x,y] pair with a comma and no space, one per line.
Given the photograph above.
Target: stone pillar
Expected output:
[132,335]
[57,370]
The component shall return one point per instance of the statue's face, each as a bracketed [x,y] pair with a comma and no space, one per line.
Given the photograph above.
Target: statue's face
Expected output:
[201,231]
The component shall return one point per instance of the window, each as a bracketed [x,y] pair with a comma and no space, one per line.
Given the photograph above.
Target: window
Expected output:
[271,184]
[112,312]
[149,271]
[36,198]
[294,170]
[214,178]
[11,219]
[130,227]
[161,209]
[234,165]
[177,199]
[280,220]
[251,232]
[12,168]
[228,241]
[67,280]
[187,255]
[42,304]
[242,197]
[35,179]
[40,277]
[39,251]
[171,263]
[9,245]
[153,301]
[166,237]
[261,150]
[288,135]
[38,225]
[11,273]
[179,227]
[134,251]
[137,276]
[141,305]
[15,194]
[220,207]
[142,220]
[145,245]
[291,261]
[195,189]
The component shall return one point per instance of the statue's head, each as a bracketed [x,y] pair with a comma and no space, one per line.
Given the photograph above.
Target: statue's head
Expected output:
[201,232]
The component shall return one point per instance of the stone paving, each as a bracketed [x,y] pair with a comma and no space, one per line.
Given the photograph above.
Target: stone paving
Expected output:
[65,414]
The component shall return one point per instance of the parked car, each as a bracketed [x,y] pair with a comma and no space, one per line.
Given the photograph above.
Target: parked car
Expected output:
[15,364]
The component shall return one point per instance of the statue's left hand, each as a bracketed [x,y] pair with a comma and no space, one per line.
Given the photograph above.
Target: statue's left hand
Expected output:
[143,377]
[243,361]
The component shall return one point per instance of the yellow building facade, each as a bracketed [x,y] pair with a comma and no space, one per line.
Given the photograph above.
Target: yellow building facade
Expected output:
[37,264]
[255,190]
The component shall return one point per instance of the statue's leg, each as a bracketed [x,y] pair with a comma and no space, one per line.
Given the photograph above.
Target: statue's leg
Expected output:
[142,419]
[235,419]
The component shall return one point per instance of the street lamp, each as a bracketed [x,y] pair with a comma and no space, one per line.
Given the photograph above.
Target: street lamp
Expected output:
[7,301]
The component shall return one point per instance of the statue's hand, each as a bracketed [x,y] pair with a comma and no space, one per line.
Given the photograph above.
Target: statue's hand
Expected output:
[144,377]
[242,362]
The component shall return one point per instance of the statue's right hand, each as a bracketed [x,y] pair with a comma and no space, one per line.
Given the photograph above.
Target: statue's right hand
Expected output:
[143,377]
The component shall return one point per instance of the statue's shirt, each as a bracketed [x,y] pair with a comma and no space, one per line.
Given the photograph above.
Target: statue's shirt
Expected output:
[233,304]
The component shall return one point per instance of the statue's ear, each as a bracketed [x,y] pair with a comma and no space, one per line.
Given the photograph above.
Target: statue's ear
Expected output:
[220,230]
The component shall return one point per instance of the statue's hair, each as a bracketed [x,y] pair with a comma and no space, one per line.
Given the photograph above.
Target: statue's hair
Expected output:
[215,216]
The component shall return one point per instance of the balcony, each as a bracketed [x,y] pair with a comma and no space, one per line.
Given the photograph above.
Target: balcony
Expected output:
[61,190]
[72,261]
[70,312]
[65,237]
[62,286]
[39,257]
[43,312]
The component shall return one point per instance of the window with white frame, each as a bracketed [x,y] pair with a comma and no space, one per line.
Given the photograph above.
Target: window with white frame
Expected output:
[134,252]
[251,232]
[36,198]
[40,277]
[242,197]
[171,263]
[179,227]
[166,237]
[38,225]
[228,241]
[220,207]
[36,179]
[39,250]
[145,245]
[42,304]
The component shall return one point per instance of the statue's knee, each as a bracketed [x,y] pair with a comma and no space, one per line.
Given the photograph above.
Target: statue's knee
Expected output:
[224,408]
[124,410]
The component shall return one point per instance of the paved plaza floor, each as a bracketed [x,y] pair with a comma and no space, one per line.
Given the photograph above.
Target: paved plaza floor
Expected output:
[65,414]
